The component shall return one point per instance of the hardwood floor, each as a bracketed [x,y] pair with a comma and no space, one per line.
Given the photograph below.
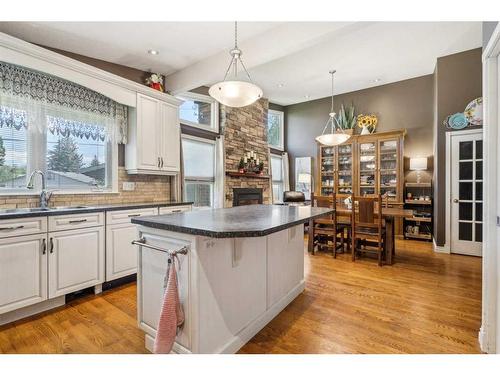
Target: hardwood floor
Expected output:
[424,303]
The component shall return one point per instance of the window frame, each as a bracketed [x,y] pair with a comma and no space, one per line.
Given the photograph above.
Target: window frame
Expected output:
[195,179]
[37,160]
[281,181]
[281,114]
[214,111]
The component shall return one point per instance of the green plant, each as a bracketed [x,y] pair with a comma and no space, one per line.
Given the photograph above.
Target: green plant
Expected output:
[345,118]
[241,164]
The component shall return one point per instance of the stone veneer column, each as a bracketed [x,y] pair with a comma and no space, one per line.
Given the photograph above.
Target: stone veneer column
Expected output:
[245,129]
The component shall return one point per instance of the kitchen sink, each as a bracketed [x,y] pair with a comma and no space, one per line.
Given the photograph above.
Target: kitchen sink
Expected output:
[67,207]
[38,209]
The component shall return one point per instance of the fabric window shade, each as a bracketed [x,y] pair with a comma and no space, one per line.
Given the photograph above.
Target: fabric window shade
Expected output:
[42,95]
[286,172]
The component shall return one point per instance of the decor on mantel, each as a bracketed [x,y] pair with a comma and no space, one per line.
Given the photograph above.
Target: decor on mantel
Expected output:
[238,91]
[337,135]
[368,123]
[155,81]
[250,163]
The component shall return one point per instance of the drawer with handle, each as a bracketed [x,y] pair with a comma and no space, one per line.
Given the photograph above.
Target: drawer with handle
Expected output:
[123,217]
[76,221]
[174,209]
[19,227]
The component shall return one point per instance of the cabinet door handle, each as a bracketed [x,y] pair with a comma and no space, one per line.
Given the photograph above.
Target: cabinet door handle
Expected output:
[44,246]
[133,215]
[77,221]
[158,162]
[174,211]
[51,245]
[12,228]
[162,162]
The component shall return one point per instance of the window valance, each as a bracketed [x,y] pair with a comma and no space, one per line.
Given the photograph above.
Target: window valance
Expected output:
[20,84]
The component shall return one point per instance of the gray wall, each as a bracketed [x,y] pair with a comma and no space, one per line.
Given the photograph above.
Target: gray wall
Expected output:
[488,28]
[402,105]
[458,81]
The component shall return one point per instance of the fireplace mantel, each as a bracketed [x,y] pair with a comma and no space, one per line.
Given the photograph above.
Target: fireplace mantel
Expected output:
[247,174]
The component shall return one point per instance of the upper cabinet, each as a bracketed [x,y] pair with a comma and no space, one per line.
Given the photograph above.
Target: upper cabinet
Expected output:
[154,138]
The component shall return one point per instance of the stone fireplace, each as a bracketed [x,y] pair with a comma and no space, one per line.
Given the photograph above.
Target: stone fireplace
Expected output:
[246,196]
[245,129]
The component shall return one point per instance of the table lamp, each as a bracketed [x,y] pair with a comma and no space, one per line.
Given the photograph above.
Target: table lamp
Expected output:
[418,164]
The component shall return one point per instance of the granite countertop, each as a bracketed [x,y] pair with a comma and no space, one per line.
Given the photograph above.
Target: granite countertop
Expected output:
[16,213]
[242,221]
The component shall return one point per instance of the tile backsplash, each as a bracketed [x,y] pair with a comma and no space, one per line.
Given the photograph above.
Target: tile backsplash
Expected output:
[147,189]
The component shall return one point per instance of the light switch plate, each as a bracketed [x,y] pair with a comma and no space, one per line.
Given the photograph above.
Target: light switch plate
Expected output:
[128,186]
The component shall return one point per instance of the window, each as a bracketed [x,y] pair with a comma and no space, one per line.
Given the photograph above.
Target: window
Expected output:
[13,148]
[67,131]
[199,170]
[199,111]
[277,178]
[75,155]
[275,132]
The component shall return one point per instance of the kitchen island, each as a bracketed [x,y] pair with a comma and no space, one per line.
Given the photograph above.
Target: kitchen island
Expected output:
[242,267]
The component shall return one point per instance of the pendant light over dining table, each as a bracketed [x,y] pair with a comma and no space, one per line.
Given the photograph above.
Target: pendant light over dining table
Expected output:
[236,91]
[335,135]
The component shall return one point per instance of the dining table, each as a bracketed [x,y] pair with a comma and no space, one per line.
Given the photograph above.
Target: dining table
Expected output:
[388,215]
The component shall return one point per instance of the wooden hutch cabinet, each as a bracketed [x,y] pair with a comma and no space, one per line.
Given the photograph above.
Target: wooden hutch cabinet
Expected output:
[365,164]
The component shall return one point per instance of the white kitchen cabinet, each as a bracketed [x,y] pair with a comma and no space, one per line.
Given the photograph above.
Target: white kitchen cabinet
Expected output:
[76,260]
[154,136]
[174,209]
[170,138]
[23,271]
[121,255]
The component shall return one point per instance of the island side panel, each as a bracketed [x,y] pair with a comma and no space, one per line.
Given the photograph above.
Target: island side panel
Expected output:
[232,290]
[285,263]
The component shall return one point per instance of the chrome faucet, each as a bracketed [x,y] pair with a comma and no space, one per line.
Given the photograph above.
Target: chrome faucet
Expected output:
[44,194]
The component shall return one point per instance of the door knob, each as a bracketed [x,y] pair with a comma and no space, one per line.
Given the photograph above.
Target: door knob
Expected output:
[455,200]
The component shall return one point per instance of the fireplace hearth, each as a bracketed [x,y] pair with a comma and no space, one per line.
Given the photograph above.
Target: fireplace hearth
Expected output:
[246,196]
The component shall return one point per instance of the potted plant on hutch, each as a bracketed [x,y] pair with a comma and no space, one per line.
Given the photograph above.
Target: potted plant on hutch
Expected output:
[346,119]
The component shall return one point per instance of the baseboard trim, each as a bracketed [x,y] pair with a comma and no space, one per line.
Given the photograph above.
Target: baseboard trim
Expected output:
[27,311]
[440,249]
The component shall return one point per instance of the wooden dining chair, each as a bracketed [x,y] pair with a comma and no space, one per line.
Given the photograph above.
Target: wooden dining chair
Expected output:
[368,231]
[326,228]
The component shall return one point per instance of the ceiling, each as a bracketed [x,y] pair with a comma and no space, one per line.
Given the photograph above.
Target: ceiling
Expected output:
[289,60]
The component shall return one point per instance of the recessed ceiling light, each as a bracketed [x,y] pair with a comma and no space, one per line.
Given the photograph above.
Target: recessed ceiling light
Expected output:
[307,96]
[377,80]
[280,85]
[153,52]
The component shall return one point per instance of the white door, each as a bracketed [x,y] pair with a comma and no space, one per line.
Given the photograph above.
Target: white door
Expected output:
[121,255]
[148,136]
[170,137]
[76,260]
[23,271]
[466,193]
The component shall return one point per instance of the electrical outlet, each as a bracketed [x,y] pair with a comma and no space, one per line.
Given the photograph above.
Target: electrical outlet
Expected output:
[128,186]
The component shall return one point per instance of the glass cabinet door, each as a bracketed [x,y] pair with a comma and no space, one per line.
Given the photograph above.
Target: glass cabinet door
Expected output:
[367,168]
[388,153]
[327,181]
[344,169]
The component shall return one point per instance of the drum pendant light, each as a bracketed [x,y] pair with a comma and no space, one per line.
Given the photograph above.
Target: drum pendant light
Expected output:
[234,91]
[336,134]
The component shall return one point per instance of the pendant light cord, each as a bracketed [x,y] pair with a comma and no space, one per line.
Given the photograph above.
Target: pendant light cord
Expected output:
[236,58]
[235,34]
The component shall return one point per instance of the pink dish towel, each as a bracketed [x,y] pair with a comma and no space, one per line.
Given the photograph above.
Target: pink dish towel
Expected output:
[171,316]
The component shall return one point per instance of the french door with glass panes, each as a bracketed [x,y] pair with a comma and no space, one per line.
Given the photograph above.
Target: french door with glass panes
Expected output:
[466,193]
